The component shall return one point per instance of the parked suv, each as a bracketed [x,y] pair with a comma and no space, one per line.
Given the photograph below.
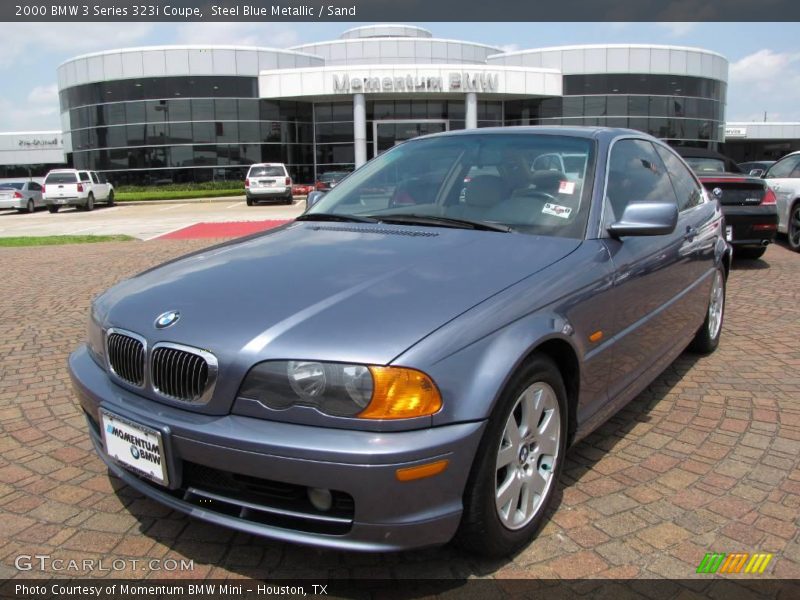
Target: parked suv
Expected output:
[268,181]
[783,178]
[71,187]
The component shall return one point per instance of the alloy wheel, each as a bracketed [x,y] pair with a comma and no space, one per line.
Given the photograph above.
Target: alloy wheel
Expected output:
[526,458]
[716,305]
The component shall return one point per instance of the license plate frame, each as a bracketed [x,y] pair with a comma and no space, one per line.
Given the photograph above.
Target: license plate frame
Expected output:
[124,452]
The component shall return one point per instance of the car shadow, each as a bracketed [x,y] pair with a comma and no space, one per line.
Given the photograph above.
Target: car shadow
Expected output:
[749,264]
[259,558]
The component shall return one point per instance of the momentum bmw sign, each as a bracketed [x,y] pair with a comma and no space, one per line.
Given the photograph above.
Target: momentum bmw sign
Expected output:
[453,81]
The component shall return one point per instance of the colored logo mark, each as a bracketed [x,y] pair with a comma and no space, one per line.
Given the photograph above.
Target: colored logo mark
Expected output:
[737,562]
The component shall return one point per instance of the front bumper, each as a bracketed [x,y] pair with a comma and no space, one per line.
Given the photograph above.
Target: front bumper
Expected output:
[385,514]
[751,225]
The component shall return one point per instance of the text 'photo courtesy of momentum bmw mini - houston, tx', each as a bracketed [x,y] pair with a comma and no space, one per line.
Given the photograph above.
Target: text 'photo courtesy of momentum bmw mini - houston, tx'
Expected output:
[408,362]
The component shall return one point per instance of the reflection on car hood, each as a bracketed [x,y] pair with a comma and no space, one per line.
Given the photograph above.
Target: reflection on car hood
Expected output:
[334,291]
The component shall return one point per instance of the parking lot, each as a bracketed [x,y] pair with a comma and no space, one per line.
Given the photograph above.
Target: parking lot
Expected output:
[707,459]
[143,221]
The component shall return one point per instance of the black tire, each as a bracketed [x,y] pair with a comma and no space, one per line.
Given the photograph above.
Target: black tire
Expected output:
[793,227]
[289,199]
[53,208]
[705,340]
[481,530]
[31,207]
[110,200]
[89,203]
[250,201]
[749,253]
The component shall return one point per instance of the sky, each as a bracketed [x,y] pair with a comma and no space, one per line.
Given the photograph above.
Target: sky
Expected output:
[764,58]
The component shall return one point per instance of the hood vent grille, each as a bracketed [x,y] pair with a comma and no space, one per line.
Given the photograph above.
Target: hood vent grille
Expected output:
[378,230]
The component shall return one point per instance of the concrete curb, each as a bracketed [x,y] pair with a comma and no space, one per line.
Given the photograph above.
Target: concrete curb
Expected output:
[191,200]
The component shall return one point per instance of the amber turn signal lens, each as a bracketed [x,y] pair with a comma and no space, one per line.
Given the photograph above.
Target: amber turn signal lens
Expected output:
[400,393]
[422,471]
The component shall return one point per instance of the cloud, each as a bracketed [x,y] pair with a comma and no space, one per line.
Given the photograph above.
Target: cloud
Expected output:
[678,29]
[765,81]
[44,95]
[29,117]
[24,39]
[241,34]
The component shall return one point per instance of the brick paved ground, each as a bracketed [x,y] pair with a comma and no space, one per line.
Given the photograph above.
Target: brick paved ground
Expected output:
[707,459]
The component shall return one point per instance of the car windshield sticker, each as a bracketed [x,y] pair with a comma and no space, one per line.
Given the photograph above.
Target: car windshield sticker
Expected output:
[566,187]
[557,210]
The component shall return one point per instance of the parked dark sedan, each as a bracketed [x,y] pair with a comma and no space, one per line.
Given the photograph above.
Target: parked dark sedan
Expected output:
[383,374]
[749,205]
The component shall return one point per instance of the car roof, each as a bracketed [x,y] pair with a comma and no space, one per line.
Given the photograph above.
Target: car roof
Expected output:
[589,132]
[267,165]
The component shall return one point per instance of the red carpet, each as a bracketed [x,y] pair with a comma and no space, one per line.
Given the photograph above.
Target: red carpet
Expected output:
[220,230]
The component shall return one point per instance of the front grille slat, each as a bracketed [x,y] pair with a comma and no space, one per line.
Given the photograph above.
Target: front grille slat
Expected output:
[126,357]
[182,373]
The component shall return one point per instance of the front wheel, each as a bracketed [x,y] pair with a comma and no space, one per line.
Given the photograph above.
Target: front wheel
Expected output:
[110,200]
[518,462]
[706,339]
[793,227]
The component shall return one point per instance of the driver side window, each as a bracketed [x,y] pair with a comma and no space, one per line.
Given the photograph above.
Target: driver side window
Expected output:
[635,174]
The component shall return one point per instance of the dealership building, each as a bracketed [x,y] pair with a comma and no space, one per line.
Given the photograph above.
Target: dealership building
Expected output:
[196,113]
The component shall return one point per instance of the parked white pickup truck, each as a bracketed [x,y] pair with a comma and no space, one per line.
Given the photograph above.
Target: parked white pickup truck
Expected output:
[71,187]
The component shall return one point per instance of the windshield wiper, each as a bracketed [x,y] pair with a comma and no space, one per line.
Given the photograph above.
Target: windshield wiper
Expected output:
[435,221]
[335,217]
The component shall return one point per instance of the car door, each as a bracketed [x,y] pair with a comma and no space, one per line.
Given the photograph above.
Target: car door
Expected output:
[784,179]
[100,189]
[35,191]
[651,273]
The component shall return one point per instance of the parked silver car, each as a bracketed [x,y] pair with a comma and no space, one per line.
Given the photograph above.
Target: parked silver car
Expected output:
[402,365]
[25,196]
[784,179]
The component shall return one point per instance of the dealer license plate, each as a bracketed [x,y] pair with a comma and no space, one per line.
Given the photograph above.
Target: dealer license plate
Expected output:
[137,447]
[729,232]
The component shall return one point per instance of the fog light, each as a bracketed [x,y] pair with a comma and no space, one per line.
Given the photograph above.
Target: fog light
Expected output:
[320,498]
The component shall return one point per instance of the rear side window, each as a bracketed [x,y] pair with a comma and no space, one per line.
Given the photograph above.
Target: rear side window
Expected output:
[84,176]
[34,186]
[686,187]
[94,177]
[60,178]
[636,174]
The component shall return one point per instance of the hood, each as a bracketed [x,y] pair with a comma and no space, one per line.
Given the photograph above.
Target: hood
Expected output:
[326,291]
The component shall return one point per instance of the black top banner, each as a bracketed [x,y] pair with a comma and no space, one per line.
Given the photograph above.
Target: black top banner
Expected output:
[400,10]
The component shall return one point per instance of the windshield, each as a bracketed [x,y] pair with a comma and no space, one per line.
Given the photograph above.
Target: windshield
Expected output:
[706,165]
[266,172]
[11,185]
[483,178]
[61,178]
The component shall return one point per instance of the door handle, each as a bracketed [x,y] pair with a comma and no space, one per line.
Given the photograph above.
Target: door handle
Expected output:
[690,232]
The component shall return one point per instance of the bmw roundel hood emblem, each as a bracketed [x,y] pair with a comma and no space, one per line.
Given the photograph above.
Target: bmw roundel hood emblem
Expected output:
[167,319]
[717,192]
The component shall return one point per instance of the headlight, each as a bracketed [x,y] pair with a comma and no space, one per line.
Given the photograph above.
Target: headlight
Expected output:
[343,390]
[94,335]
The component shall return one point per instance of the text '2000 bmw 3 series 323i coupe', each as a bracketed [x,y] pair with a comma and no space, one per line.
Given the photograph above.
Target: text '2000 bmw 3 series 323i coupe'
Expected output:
[408,362]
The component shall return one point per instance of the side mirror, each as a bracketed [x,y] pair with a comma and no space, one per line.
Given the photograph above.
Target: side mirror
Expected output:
[757,172]
[646,218]
[313,198]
